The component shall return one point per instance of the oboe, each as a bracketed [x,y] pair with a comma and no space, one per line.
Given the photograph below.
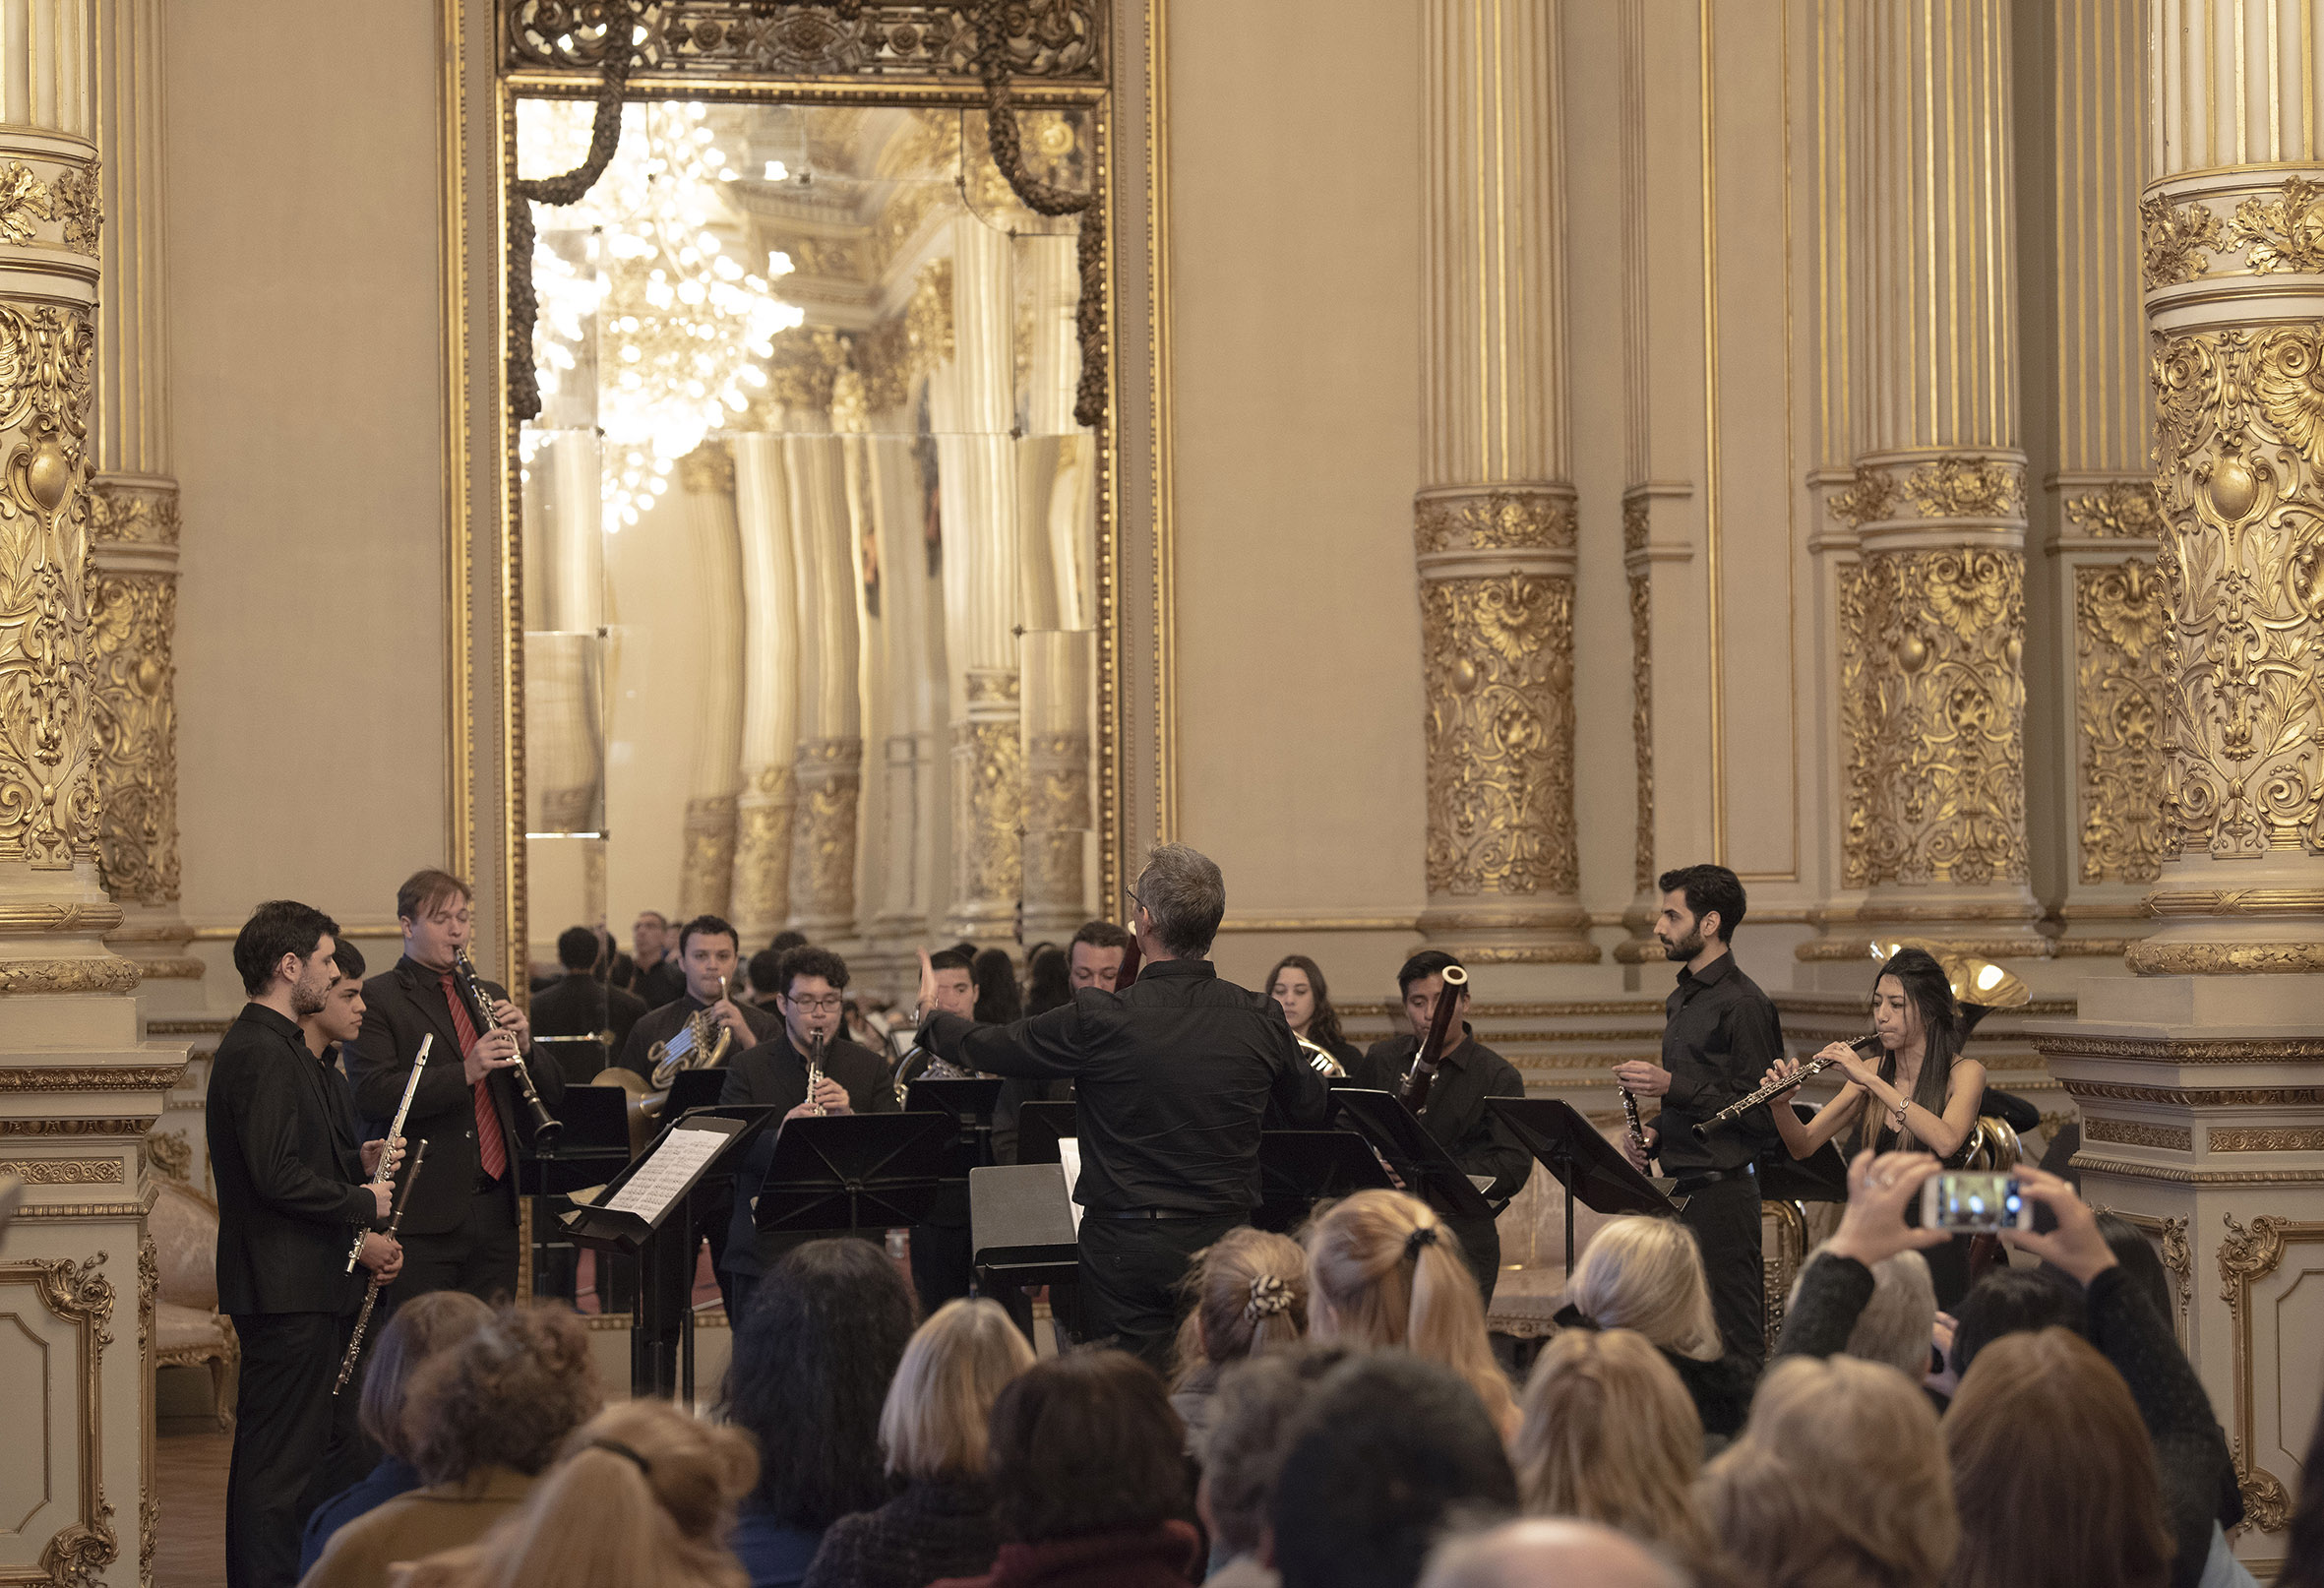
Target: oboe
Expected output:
[346,1366]
[1776,1088]
[386,1152]
[546,1126]
[1630,1112]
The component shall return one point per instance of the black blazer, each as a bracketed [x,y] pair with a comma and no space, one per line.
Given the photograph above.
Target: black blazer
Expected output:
[286,1156]
[578,1005]
[400,1007]
[774,1074]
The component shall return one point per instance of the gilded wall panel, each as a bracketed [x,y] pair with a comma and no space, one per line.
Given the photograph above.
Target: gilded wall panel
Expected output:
[989,795]
[1642,716]
[2120,625]
[763,822]
[705,871]
[133,618]
[823,831]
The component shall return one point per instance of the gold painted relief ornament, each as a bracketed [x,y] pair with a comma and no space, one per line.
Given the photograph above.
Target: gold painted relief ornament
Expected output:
[1043,38]
[2121,625]
[72,200]
[989,793]
[2245,1257]
[1499,730]
[2282,233]
[705,868]
[1948,487]
[134,725]
[2173,241]
[2124,510]
[120,513]
[49,796]
[1642,725]
[2240,430]
[1495,520]
[829,780]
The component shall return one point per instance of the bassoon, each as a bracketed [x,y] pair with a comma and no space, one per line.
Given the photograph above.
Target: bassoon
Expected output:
[1423,1073]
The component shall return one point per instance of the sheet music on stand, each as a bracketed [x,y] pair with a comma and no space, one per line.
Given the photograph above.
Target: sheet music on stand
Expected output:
[665,1173]
[1069,1155]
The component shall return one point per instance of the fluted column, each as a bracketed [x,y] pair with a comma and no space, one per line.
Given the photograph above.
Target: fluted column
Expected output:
[1932,616]
[761,898]
[706,865]
[829,762]
[77,1276]
[1494,523]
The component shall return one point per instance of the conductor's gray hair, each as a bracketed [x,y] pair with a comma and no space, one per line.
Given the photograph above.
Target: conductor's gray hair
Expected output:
[1183,891]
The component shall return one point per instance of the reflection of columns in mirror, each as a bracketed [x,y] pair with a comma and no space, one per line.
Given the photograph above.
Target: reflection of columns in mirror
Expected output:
[912,811]
[1058,815]
[1495,520]
[1056,479]
[564,600]
[705,876]
[1933,616]
[766,807]
[829,762]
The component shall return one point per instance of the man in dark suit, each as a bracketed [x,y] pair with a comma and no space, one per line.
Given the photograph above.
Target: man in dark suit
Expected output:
[709,953]
[290,1166]
[579,1004]
[459,1229]
[651,970]
[774,1073]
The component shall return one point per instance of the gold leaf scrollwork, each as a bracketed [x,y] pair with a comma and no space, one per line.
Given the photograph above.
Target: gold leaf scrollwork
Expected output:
[762,822]
[74,197]
[2125,510]
[2172,241]
[706,867]
[1870,498]
[1500,654]
[134,727]
[1968,488]
[23,201]
[170,1154]
[2239,429]
[49,797]
[2246,1256]
[829,777]
[988,794]
[1495,520]
[2282,233]
[1642,724]
[2121,625]
[1932,693]
[1057,814]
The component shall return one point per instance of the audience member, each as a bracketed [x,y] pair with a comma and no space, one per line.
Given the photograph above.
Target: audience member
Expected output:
[2006,1300]
[813,1361]
[1384,1271]
[642,1499]
[2303,1550]
[764,974]
[1611,1435]
[1839,1479]
[481,1419]
[1049,980]
[934,1430]
[419,1330]
[1090,1479]
[1530,1553]
[1260,1401]
[1896,1324]
[1247,1293]
[1647,1274]
[1391,1452]
[998,999]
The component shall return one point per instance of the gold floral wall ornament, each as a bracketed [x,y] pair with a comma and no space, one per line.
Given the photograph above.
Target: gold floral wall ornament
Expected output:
[2173,241]
[1958,487]
[134,725]
[763,822]
[1499,732]
[24,203]
[2281,233]
[1500,519]
[1870,499]
[1932,706]
[2239,427]
[120,514]
[2123,510]
[828,775]
[2122,622]
[1642,725]
[1634,524]
[706,861]
[75,199]
[989,807]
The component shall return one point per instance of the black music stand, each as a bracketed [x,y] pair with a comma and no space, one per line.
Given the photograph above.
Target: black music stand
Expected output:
[844,1173]
[968,1099]
[579,1058]
[690,1089]
[592,1149]
[1426,1168]
[1296,1169]
[1039,1126]
[1591,1168]
[661,1338]
[1022,1231]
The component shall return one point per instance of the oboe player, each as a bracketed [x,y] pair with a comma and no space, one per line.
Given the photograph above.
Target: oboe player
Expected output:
[1720,1035]
[459,1231]
[289,1163]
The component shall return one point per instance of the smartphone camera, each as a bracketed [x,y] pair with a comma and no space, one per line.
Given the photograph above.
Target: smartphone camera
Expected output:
[1975,1203]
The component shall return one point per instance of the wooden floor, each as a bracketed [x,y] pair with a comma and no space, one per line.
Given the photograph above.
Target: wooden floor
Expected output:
[191,1484]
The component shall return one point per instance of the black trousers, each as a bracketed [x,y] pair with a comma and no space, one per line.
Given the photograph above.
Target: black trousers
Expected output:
[1130,1270]
[479,1256]
[295,1444]
[1725,1218]
[943,1268]
[1479,1243]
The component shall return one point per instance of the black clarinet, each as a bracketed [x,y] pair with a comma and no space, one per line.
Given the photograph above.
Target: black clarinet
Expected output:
[346,1366]
[546,1126]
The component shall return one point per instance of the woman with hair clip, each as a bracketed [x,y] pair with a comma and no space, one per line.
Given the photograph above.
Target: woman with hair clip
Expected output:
[1297,983]
[1923,1096]
[641,1499]
[1249,1294]
[1384,1271]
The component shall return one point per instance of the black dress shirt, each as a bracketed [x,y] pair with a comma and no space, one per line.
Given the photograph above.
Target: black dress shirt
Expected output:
[286,1156]
[1455,1113]
[774,1074]
[662,1024]
[1720,1036]
[1174,1078]
[664,983]
[579,1004]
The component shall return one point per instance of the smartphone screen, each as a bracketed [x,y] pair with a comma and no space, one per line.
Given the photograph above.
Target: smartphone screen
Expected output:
[1972,1201]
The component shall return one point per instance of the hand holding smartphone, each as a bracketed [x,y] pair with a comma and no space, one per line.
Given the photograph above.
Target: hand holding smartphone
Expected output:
[1975,1202]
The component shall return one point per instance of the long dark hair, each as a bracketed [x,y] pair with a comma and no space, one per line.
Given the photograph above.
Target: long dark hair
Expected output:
[1049,980]
[813,1360]
[1931,991]
[997,1001]
[1323,1031]
[1086,1444]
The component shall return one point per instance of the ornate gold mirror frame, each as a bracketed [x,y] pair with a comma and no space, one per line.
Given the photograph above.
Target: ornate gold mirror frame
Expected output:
[774,51]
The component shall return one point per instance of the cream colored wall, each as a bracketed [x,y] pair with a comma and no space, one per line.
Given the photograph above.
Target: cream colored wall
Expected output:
[306,393]
[1295,246]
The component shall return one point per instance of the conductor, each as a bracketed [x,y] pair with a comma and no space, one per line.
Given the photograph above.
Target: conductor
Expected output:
[1175,1074]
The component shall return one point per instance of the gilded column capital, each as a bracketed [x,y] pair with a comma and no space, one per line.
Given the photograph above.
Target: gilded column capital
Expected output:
[828,773]
[1946,490]
[705,864]
[1494,519]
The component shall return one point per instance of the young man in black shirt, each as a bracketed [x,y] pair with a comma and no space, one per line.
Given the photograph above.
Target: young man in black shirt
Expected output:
[1720,1035]
[580,1005]
[709,953]
[1455,1113]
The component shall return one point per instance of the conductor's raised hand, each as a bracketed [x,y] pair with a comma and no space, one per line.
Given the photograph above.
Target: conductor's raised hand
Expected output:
[927,989]
[494,1050]
[2076,1246]
[1874,1228]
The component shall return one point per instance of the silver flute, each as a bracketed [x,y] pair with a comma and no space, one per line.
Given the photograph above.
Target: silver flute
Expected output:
[1736,1110]
[386,1173]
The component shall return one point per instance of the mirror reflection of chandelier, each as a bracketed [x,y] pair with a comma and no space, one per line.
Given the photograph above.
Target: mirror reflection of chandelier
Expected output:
[676,322]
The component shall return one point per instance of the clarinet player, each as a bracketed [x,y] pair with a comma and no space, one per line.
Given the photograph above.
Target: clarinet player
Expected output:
[459,1231]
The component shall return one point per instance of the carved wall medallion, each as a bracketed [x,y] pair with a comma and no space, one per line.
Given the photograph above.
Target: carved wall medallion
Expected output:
[829,778]
[1932,705]
[1642,726]
[1503,520]
[2126,510]
[2120,623]
[2282,233]
[170,1154]
[1499,656]
[2173,241]
[134,721]
[2140,1134]
[1052,40]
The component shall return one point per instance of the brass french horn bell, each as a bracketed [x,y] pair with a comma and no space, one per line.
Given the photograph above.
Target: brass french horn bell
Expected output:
[1980,985]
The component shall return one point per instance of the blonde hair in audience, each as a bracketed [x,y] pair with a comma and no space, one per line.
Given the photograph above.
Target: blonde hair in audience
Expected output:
[1894,1326]
[933,1423]
[1611,1435]
[642,1497]
[1249,1294]
[1384,1271]
[1839,1480]
[2050,1456]
[1647,1274]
